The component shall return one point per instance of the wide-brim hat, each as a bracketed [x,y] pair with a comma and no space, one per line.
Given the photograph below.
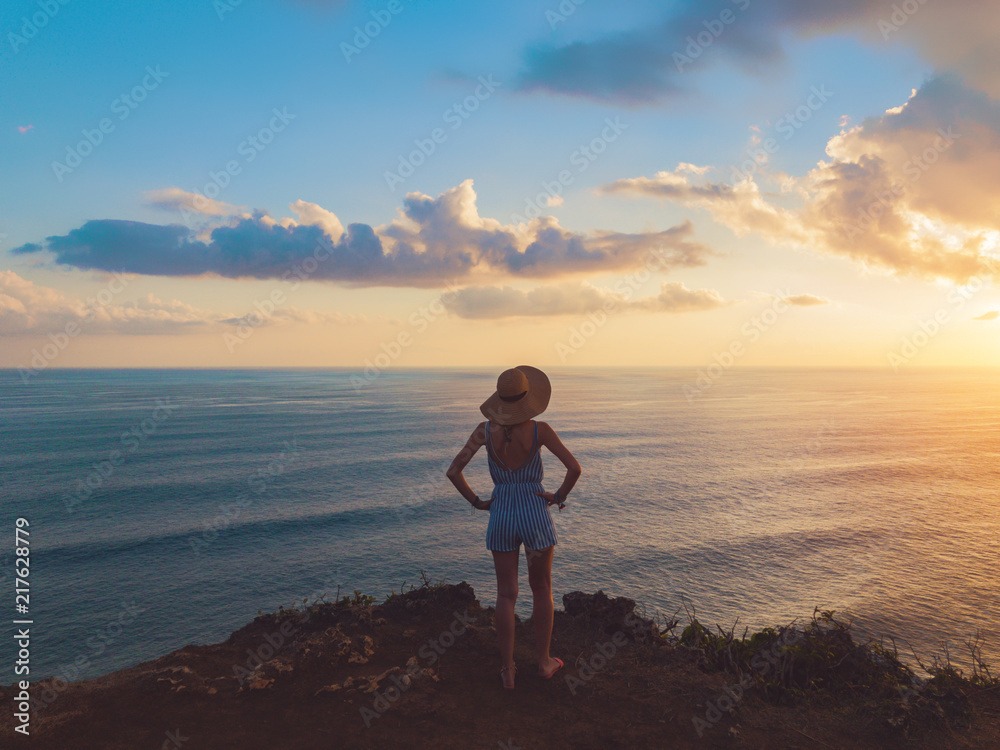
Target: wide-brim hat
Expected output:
[522,393]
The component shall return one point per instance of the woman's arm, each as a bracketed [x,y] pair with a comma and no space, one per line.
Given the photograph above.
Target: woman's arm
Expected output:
[476,441]
[548,437]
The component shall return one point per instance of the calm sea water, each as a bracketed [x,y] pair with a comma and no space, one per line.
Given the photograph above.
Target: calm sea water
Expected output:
[198,497]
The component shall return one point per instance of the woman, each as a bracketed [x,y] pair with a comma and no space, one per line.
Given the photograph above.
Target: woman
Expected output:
[519,507]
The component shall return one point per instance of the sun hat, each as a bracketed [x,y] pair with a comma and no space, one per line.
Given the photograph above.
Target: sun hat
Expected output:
[522,393]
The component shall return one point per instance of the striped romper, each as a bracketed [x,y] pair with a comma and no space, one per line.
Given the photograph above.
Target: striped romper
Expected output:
[517,514]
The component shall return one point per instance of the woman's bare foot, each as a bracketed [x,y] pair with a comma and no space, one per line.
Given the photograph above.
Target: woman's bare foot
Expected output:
[507,676]
[550,667]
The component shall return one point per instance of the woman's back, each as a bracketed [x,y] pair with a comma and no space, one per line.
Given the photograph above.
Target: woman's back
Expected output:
[514,454]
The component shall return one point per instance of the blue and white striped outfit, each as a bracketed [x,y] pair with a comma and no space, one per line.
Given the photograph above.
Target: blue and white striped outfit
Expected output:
[517,514]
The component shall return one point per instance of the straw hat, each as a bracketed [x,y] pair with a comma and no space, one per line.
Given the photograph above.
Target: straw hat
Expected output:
[522,393]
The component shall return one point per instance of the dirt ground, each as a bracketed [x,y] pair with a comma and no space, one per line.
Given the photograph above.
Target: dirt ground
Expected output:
[422,670]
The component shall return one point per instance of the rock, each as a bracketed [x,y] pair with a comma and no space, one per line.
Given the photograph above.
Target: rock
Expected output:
[258,682]
[175,679]
[365,647]
[611,614]
[578,603]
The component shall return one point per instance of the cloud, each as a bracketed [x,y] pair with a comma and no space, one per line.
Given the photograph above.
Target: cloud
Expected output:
[288,315]
[449,227]
[741,207]
[675,297]
[432,241]
[806,300]
[25,128]
[642,65]
[29,309]
[23,305]
[676,185]
[310,213]
[175,199]
[991,315]
[653,63]
[480,302]
[911,190]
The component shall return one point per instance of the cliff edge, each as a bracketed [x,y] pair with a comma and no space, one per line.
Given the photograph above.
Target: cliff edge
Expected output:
[421,670]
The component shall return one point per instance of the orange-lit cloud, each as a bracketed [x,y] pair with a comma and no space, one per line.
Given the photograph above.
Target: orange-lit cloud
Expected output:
[806,300]
[576,299]
[912,190]
[29,309]
[175,199]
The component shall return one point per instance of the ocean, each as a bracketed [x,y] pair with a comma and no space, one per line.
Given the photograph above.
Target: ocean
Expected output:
[168,507]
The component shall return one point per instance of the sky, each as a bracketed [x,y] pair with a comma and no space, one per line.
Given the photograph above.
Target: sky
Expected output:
[406,183]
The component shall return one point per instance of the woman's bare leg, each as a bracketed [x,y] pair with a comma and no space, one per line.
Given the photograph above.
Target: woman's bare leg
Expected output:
[540,578]
[506,567]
